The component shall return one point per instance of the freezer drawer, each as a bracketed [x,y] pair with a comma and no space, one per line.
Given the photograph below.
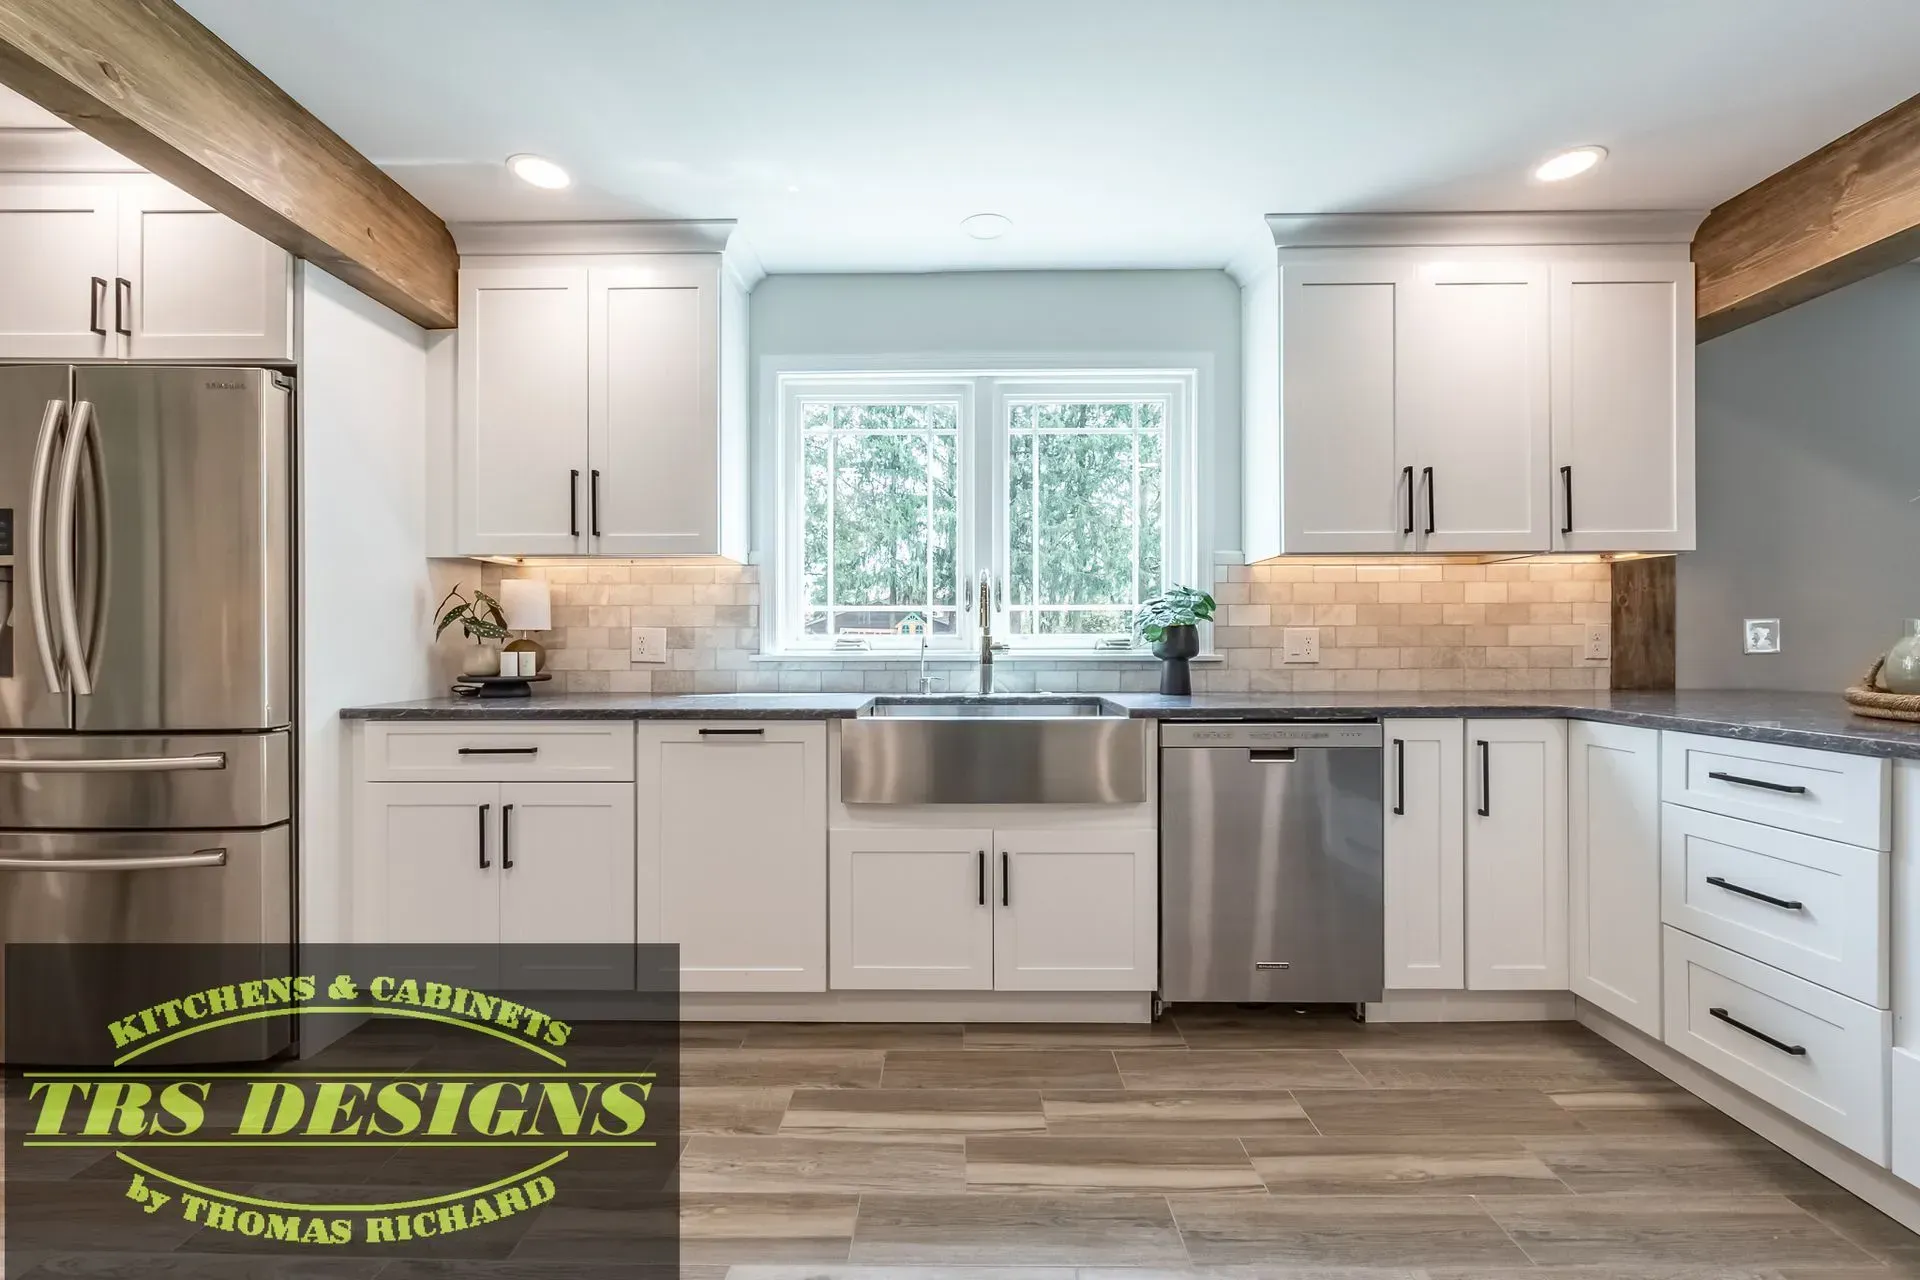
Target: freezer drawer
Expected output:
[82,783]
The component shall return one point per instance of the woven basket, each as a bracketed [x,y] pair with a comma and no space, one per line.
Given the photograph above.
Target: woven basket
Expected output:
[1868,699]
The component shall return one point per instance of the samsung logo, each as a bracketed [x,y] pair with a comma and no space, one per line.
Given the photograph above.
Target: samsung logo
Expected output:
[226,386]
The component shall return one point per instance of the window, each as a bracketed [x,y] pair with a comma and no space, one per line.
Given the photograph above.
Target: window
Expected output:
[897,491]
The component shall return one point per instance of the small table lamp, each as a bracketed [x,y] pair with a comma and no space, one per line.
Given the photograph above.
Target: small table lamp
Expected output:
[528,606]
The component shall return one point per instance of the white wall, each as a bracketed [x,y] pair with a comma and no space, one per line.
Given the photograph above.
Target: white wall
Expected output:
[1809,461]
[1019,315]
[365,634]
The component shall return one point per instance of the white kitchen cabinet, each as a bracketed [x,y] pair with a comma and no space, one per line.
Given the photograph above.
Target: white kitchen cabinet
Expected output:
[566,855]
[1613,856]
[194,284]
[1425,855]
[1473,390]
[58,259]
[426,842]
[1078,910]
[522,404]
[1517,855]
[911,909]
[732,852]
[1623,433]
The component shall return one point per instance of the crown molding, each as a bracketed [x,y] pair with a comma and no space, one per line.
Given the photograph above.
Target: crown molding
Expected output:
[655,236]
[1371,230]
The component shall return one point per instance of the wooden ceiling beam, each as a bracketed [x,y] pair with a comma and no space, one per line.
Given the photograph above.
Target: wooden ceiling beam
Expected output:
[147,79]
[1846,212]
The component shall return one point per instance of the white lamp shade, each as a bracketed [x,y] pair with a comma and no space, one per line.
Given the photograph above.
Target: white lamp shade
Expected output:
[528,604]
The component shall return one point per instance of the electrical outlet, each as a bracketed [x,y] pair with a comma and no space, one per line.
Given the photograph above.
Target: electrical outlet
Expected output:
[1763,635]
[1300,644]
[1597,647]
[649,644]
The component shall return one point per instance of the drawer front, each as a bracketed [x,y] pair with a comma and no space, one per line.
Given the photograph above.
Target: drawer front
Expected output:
[1906,1115]
[1816,908]
[589,751]
[1817,793]
[1837,1081]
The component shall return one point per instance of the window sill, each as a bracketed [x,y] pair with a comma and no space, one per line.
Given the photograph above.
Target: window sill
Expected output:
[1069,657]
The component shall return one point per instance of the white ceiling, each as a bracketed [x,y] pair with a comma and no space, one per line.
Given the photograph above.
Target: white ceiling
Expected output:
[856,134]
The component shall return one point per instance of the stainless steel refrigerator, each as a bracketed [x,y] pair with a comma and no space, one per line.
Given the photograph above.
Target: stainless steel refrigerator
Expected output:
[146,657]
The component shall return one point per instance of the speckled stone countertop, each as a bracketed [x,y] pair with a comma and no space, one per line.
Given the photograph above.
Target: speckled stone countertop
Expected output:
[1794,719]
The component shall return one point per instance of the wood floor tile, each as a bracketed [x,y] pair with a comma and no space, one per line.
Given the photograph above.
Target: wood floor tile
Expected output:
[176,1266]
[1143,1165]
[909,1114]
[1649,1162]
[789,1165]
[1489,1112]
[854,1271]
[853,1035]
[1001,1069]
[733,1110]
[1399,1166]
[1226,1113]
[1227,1027]
[1861,1223]
[1017,1230]
[1658,1108]
[1377,1231]
[713,1035]
[1697,1229]
[1497,1067]
[774,1068]
[1201,1069]
[1535,1037]
[1073,1035]
[766,1228]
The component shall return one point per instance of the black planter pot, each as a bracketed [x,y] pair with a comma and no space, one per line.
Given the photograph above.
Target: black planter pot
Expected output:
[1173,648]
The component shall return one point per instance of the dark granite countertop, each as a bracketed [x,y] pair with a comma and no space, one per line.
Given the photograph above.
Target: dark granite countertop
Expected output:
[1815,720]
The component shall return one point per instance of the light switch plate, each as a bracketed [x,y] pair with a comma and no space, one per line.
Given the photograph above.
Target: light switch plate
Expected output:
[1597,647]
[649,644]
[1300,644]
[1763,635]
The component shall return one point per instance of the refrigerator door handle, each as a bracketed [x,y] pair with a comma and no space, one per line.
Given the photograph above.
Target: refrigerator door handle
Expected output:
[157,862]
[119,764]
[94,492]
[65,582]
[36,554]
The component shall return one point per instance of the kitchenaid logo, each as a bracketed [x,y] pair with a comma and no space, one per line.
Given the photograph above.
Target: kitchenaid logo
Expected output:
[536,1117]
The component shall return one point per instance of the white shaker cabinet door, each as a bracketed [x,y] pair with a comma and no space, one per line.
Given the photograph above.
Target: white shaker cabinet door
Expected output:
[1474,420]
[1517,855]
[196,285]
[521,411]
[566,877]
[1623,466]
[911,909]
[57,260]
[436,850]
[733,833]
[1425,855]
[1613,855]
[1078,910]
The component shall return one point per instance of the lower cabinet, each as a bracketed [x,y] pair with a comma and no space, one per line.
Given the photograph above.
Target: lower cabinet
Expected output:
[1425,855]
[972,909]
[732,851]
[1516,925]
[1613,860]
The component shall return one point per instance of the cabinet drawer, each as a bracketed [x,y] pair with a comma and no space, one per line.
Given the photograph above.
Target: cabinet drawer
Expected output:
[1906,1115]
[1828,1068]
[589,751]
[1817,793]
[1816,908]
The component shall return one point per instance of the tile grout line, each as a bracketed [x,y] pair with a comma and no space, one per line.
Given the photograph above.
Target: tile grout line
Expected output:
[1531,1260]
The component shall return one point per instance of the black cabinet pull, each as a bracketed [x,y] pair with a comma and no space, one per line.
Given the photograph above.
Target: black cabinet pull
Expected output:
[982,867]
[573,504]
[1739,781]
[484,864]
[98,300]
[1486,779]
[1427,474]
[1407,474]
[1400,776]
[732,733]
[506,837]
[1720,883]
[1006,879]
[1566,483]
[1796,1050]
[593,501]
[123,306]
[497,751]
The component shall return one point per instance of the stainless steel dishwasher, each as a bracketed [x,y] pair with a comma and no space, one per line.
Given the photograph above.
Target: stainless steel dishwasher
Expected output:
[1271,842]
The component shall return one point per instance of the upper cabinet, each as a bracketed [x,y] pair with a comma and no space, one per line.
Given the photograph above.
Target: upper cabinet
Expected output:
[600,404]
[125,266]
[1471,384]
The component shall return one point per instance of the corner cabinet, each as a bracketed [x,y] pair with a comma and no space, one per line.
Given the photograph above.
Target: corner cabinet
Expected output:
[600,406]
[1613,855]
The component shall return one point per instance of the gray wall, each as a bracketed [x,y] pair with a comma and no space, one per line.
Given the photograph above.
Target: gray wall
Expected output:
[1021,315]
[1809,458]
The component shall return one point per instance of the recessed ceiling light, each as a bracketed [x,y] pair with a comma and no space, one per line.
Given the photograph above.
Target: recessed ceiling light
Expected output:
[1569,164]
[987,226]
[538,171]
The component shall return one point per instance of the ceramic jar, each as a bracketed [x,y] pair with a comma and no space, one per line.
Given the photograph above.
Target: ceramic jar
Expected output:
[1900,673]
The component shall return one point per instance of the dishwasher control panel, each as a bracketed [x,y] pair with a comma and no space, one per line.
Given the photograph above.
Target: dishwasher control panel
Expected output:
[1295,733]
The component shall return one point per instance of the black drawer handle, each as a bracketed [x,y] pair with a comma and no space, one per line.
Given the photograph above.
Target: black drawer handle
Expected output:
[593,505]
[1566,481]
[732,733]
[1407,475]
[1739,781]
[1400,777]
[1795,1050]
[1486,779]
[98,299]
[1427,473]
[484,864]
[123,306]
[1719,883]
[498,751]
[1006,879]
[983,878]
[573,504]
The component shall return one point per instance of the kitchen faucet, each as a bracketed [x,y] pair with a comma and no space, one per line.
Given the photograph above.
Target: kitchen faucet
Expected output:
[986,632]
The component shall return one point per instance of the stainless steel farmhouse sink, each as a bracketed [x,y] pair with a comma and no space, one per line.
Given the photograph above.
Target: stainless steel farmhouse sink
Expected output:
[997,750]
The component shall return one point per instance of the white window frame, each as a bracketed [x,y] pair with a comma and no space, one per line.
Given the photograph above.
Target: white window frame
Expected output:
[984,396]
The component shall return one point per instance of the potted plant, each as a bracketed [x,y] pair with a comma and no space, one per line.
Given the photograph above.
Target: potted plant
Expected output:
[480,619]
[1170,622]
